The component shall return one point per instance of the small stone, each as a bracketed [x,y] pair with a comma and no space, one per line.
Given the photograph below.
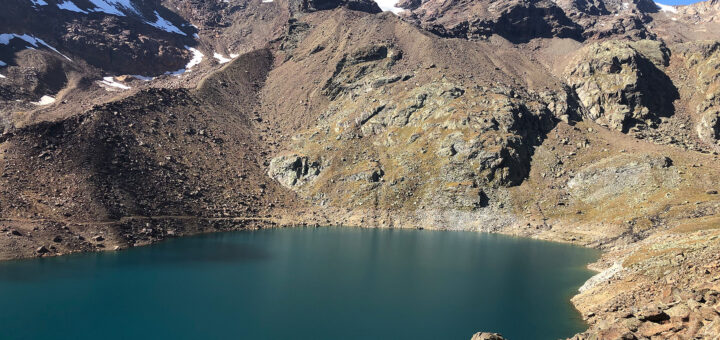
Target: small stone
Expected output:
[711,192]
[42,250]
[98,238]
[57,239]
[15,232]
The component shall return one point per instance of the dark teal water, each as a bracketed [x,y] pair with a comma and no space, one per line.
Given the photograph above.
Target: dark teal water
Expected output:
[324,283]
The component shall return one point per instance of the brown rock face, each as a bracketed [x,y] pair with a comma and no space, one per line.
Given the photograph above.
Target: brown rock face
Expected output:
[517,21]
[621,83]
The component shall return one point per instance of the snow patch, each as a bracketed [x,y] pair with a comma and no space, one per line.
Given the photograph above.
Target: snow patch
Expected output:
[114,6]
[45,100]
[196,59]
[165,25]
[602,276]
[6,37]
[110,81]
[143,78]
[70,6]
[39,2]
[267,1]
[221,59]
[666,8]
[2,63]
[2,76]
[388,5]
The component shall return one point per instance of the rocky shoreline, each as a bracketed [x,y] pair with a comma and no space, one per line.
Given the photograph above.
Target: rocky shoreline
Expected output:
[667,285]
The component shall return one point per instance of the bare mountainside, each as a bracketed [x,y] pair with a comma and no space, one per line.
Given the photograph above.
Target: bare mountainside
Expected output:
[595,122]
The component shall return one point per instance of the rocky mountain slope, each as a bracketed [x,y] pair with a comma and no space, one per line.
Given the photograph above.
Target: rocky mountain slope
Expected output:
[594,122]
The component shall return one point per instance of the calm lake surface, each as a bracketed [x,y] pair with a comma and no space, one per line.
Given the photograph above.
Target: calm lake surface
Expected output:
[301,283]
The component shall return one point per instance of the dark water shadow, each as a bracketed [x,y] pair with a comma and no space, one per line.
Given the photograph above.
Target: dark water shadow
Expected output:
[83,266]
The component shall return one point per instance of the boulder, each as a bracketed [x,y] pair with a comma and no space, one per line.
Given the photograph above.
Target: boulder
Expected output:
[487,336]
[680,311]
[293,170]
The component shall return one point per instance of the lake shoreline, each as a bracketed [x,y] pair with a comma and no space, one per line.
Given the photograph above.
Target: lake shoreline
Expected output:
[604,307]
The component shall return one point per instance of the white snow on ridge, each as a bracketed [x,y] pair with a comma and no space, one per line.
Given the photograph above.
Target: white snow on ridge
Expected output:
[113,6]
[6,37]
[265,1]
[110,81]
[45,100]
[388,5]
[165,25]
[2,63]
[2,76]
[70,6]
[667,8]
[196,59]
[221,59]
[39,2]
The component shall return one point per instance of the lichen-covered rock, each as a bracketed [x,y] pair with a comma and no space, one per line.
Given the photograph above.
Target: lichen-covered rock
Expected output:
[436,145]
[363,68]
[623,175]
[703,59]
[487,336]
[709,126]
[620,83]
[293,170]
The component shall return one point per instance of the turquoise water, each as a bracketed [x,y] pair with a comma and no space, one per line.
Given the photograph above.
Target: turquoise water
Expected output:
[302,283]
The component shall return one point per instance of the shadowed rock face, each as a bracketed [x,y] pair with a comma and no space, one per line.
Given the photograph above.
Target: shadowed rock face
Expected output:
[517,21]
[520,21]
[356,5]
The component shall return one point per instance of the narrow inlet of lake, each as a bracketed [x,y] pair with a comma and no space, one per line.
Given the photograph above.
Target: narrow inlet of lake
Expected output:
[301,283]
